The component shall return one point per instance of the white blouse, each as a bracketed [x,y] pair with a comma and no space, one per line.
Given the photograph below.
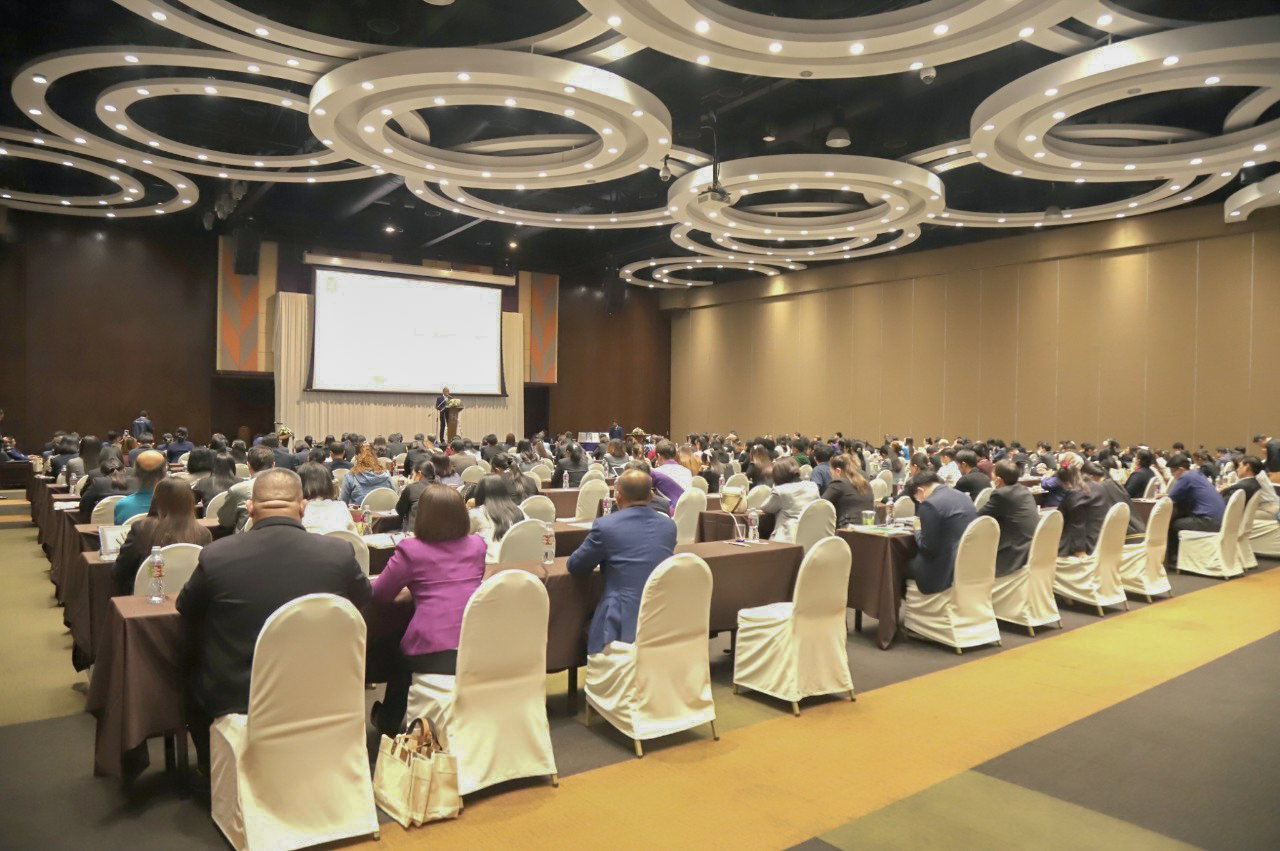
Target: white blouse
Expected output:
[326,515]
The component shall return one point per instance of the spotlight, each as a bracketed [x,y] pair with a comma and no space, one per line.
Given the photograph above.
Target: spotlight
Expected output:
[770,134]
[928,75]
[664,174]
[838,137]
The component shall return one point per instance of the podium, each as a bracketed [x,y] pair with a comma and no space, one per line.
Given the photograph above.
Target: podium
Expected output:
[451,422]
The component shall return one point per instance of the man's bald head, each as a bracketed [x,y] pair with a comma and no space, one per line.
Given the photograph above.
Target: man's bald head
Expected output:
[635,487]
[150,468]
[276,493]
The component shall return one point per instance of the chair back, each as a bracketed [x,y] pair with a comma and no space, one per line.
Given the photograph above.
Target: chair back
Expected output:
[358,545]
[104,513]
[248,524]
[401,458]
[735,465]
[80,484]
[307,707]
[134,519]
[879,490]
[523,541]
[1110,550]
[503,643]
[738,480]
[340,474]
[822,586]
[817,521]
[595,465]
[757,495]
[472,474]
[243,471]
[542,473]
[673,667]
[1149,492]
[689,506]
[806,472]
[981,499]
[1245,544]
[699,483]
[1042,563]
[184,458]
[589,496]
[548,463]
[904,507]
[592,476]
[215,505]
[388,464]
[484,465]
[380,499]
[179,563]
[886,476]
[539,507]
[976,570]
[1229,538]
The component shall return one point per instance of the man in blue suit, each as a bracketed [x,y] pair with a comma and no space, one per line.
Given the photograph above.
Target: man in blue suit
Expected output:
[441,402]
[627,545]
[944,515]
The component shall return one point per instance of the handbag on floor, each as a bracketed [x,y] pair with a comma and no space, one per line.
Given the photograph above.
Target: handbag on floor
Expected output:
[415,781]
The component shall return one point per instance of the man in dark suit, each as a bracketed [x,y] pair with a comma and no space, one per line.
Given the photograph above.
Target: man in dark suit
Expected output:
[337,459]
[615,431]
[459,457]
[1269,449]
[283,457]
[142,425]
[972,481]
[241,580]
[441,401]
[396,445]
[1014,508]
[416,454]
[1136,484]
[489,447]
[944,515]
[626,545]
[1247,469]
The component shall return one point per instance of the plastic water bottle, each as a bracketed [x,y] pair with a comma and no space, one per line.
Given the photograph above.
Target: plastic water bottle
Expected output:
[720,484]
[607,505]
[888,514]
[71,481]
[548,544]
[157,577]
[753,525]
[564,480]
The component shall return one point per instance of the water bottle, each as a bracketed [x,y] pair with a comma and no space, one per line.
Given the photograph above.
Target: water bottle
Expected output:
[71,481]
[548,544]
[564,480]
[753,525]
[720,484]
[607,505]
[157,577]
[888,514]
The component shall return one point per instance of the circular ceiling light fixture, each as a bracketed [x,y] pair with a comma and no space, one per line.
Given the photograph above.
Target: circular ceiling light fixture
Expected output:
[838,137]
[672,273]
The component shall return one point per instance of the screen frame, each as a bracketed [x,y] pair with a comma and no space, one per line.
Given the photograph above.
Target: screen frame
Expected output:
[311,353]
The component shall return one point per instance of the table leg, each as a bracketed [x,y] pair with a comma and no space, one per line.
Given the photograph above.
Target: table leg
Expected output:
[170,751]
[573,690]
[857,620]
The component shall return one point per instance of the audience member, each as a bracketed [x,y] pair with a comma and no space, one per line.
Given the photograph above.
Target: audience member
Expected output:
[235,508]
[322,513]
[1108,492]
[1197,506]
[221,478]
[849,491]
[366,475]
[145,443]
[788,498]
[972,481]
[149,469]
[407,505]
[573,464]
[283,457]
[1014,507]
[170,520]
[141,425]
[944,514]
[1083,511]
[494,512]
[88,454]
[179,446]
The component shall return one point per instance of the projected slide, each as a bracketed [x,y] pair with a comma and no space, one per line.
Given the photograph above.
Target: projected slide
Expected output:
[404,335]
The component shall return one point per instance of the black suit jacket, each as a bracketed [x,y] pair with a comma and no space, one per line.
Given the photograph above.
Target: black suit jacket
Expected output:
[1136,484]
[1083,512]
[943,518]
[239,582]
[1112,493]
[98,489]
[412,457]
[1014,508]
[973,483]
[284,458]
[1273,455]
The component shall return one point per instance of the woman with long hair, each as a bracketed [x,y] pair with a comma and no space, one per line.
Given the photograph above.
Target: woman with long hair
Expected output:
[526,456]
[366,474]
[760,466]
[445,474]
[170,520]
[86,461]
[422,475]
[220,479]
[522,486]
[112,477]
[615,457]
[494,512]
[240,451]
[1077,511]
[322,513]
[849,491]
[574,464]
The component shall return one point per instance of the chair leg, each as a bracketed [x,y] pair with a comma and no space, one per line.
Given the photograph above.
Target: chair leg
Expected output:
[999,643]
[714,735]
[795,709]
[1126,604]
[1101,613]
[959,652]
[639,750]
[376,835]
[1032,631]
[1148,596]
[857,620]
[736,689]
[555,781]
[852,698]
[586,721]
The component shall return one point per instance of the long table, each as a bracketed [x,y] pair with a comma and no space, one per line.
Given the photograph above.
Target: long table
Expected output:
[136,690]
[569,536]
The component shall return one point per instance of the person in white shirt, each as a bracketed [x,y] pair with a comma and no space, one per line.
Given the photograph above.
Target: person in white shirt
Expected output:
[322,512]
[948,470]
[493,512]
[789,497]
[670,467]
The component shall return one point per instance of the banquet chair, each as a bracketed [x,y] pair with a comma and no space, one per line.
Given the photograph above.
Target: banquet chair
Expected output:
[981,499]
[379,499]
[484,465]
[539,507]
[248,524]
[879,490]
[592,476]
[1215,554]
[184,458]
[904,507]
[1149,492]
[1142,563]
[531,482]
[806,472]
[962,615]
[799,649]
[1094,579]
[661,684]
[817,521]
[757,495]
[542,473]
[1264,531]
[243,471]
[886,476]
[179,563]
[294,771]
[523,542]
[211,510]
[699,483]
[596,465]
[338,475]
[738,480]
[358,546]
[735,465]
[388,464]
[589,496]
[689,508]
[80,484]
[472,474]
[401,458]
[1025,596]
[104,513]
[134,519]
[1248,561]
[492,715]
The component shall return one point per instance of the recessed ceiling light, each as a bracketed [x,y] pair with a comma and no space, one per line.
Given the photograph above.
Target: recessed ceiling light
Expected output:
[1038,154]
[1197,161]
[1076,164]
[510,102]
[916,66]
[588,165]
[109,107]
[129,57]
[988,127]
[636,113]
[1261,146]
[702,26]
[366,85]
[1226,174]
[262,31]
[66,162]
[143,92]
[1212,81]
[613,150]
[254,69]
[1249,164]
[982,155]
[1050,92]
[1026,32]
[35,112]
[1171,60]
[326,141]
[1188,197]
[569,112]
[482,174]
[388,151]
[210,90]
[439,101]
[704,60]
[614,20]
[385,111]
[368,128]
[39,78]
[1130,167]
[569,90]
[663,140]
[1030,137]
[122,127]
[80,140]
[856,48]
[941,29]
[319,110]
[1059,115]
[775,47]
[291,62]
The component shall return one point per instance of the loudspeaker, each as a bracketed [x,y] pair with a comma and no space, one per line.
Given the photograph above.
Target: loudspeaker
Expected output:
[615,292]
[244,251]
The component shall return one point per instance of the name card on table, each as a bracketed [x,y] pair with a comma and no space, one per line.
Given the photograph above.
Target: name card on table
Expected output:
[109,540]
[384,541]
[67,506]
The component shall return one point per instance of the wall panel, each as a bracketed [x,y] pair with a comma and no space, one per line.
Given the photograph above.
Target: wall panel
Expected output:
[1264,338]
[840,376]
[866,375]
[1037,384]
[1123,332]
[1222,351]
[927,404]
[1171,368]
[964,353]
[998,353]
[1078,349]
[898,330]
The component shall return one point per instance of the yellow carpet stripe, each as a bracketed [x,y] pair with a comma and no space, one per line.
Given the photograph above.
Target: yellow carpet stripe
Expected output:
[777,783]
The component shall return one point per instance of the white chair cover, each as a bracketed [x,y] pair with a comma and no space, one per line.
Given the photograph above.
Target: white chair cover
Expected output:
[493,715]
[904,507]
[880,490]
[1244,548]
[134,519]
[484,466]
[735,465]
[1214,553]
[358,545]
[1264,535]
[589,496]
[243,471]
[689,506]
[184,458]
[179,563]
[886,476]
[757,496]
[523,542]
[1149,492]
[806,472]
[981,499]
[543,474]
[248,524]
[472,474]
[211,510]
[340,474]
[380,499]
[1025,596]
[960,616]
[401,458]
[80,484]
[294,772]
[592,476]
[738,480]
[699,483]
[1142,563]
[817,521]
[539,507]
[796,650]
[1094,579]
[661,684]
[596,466]
[387,464]
[104,513]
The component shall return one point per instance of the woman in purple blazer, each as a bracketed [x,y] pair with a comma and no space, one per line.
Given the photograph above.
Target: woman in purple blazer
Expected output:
[440,567]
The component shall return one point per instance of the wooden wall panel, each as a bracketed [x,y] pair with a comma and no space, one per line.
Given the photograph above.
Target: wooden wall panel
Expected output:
[898,332]
[998,353]
[866,374]
[1079,348]
[929,350]
[1037,352]
[964,354]
[1264,397]
[1171,312]
[838,378]
[1222,341]
[1123,332]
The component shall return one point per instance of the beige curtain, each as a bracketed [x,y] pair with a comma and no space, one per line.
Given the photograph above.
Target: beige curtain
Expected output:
[319,413]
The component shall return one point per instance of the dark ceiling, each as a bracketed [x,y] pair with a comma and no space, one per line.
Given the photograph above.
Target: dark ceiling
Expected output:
[887,116]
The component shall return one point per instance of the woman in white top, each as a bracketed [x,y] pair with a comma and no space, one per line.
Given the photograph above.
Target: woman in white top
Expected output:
[494,512]
[789,497]
[322,513]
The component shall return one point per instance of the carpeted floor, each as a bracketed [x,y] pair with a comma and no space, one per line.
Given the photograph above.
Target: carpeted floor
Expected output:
[1017,746]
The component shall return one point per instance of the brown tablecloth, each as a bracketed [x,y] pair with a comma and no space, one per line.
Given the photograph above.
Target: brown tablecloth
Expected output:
[42,509]
[1143,508]
[14,474]
[35,486]
[564,499]
[878,577]
[86,603]
[569,537]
